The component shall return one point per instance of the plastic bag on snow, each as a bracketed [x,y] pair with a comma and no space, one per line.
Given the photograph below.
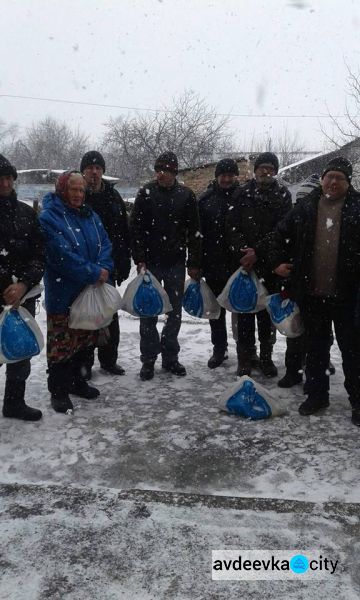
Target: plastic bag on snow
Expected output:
[285,315]
[20,335]
[243,293]
[199,301]
[94,307]
[251,400]
[145,297]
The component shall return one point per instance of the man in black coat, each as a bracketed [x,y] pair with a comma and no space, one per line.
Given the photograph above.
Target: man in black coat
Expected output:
[21,268]
[164,223]
[318,244]
[108,204]
[215,265]
[257,208]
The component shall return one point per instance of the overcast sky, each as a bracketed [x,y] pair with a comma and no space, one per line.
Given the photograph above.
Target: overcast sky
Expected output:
[245,57]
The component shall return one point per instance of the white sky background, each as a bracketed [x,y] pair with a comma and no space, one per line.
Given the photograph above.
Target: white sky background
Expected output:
[243,56]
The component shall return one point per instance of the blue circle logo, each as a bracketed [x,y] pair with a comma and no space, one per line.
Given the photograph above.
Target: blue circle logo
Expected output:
[299,564]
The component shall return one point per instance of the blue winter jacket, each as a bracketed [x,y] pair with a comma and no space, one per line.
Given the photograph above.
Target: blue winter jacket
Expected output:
[77,248]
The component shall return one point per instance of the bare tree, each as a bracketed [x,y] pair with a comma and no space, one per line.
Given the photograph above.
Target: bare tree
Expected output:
[288,146]
[190,128]
[347,130]
[8,138]
[50,144]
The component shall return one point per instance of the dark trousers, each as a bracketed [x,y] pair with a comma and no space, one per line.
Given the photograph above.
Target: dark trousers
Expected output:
[151,344]
[318,315]
[17,373]
[218,326]
[295,355]
[108,353]
[246,332]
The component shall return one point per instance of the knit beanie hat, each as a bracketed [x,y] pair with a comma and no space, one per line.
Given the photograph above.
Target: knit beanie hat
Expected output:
[6,168]
[226,165]
[309,185]
[167,162]
[267,158]
[339,163]
[92,158]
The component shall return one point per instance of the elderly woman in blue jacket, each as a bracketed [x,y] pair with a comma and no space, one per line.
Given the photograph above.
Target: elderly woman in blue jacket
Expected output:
[78,253]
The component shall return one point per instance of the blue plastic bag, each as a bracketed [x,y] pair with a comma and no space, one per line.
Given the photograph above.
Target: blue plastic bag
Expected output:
[147,300]
[246,402]
[20,336]
[285,315]
[243,293]
[192,300]
[199,301]
[251,400]
[145,297]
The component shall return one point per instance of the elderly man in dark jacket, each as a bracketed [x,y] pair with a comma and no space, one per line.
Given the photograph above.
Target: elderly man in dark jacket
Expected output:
[108,204]
[257,208]
[318,243]
[213,206]
[21,268]
[164,223]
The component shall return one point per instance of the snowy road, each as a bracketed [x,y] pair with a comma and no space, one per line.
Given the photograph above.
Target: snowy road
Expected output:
[167,435]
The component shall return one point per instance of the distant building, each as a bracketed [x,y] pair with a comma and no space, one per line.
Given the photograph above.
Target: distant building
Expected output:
[198,178]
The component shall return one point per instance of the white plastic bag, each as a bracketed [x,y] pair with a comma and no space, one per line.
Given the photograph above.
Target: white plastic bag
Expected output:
[251,400]
[20,335]
[199,301]
[145,297]
[285,315]
[94,307]
[243,293]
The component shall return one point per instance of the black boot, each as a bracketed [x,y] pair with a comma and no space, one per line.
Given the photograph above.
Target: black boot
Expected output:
[244,360]
[82,389]
[147,371]
[290,379]
[355,416]
[314,404]
[59,377]
[113,369]
[61,403]
[175,367]
[78,386]
[266,364]
[217,359]
[14,403]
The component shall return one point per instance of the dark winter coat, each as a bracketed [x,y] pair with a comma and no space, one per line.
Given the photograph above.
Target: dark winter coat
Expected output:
[163,223]
[251,221]
[21,244]
[110,207]
[293,242]
[77,248]
[213,207]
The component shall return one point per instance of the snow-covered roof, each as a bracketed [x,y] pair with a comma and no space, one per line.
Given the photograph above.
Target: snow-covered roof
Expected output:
[58,172]
[300,162]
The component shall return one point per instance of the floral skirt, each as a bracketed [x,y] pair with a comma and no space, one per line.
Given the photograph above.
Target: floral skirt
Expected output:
[63,342]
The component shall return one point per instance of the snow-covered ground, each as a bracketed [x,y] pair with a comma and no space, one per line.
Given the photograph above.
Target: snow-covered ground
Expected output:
[72,519]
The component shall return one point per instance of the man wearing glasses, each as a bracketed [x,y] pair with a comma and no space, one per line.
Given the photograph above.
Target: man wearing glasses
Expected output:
[319,244]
